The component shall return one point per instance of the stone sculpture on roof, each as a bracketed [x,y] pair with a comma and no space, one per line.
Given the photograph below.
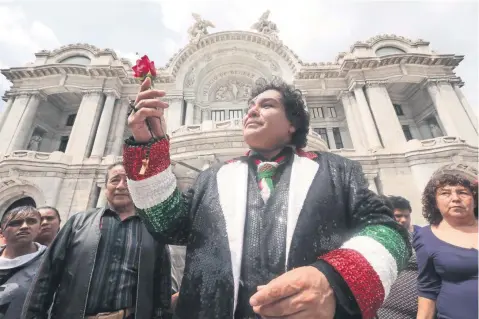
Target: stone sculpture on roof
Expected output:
[199,29]
[266,26]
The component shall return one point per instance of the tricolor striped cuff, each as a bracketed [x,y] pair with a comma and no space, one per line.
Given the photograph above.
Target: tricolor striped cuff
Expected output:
[369,264]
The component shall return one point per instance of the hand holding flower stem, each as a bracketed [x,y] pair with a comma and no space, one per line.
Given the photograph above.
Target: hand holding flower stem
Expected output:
[146,121]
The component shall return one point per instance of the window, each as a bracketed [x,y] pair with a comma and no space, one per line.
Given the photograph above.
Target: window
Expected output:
[63,144]
[78,59]
[388,51]
[337,138]
[323,133]
[71,119]
[218,115]
[317,112]
[235,114]
[332,112]
[398,109]
[407,132]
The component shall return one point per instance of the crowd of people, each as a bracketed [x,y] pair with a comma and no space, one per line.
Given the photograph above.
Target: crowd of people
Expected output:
[277,233]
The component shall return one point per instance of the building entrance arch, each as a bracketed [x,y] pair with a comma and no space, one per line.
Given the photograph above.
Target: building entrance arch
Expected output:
[17,192]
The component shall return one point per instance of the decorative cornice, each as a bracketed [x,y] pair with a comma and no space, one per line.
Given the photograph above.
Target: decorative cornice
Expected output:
[77,46]
[384,37]
[64,69]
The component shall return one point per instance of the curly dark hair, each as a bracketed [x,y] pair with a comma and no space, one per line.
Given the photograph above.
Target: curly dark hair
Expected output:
[294,107]
[401,203]
[429,206]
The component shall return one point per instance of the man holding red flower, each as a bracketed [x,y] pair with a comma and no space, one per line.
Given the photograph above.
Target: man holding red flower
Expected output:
[279,232]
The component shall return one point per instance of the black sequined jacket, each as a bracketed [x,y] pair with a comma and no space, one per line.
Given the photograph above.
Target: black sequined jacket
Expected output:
[331,216]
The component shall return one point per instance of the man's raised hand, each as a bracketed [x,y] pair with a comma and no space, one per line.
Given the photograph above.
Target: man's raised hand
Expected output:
[148,107]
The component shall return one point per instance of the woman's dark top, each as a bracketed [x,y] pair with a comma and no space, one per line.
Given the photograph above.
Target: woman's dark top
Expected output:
[448,275]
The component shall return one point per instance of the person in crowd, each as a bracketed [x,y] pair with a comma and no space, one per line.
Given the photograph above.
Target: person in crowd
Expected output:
[402,213]
[279,232]
[402,301]
[19,258]
[103,264]
[50,225]
[446,250]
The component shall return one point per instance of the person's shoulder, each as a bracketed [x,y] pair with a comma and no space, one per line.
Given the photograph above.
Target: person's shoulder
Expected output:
[421,235]
[79,218]
[331,160]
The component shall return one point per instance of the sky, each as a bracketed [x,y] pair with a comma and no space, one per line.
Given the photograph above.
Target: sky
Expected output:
[315,30]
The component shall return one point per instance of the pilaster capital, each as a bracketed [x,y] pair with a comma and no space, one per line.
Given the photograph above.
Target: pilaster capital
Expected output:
[173,98]
[29,93]
[345,94]
[370,175]
[89,92]
[111,93]
[443,80]
[375,83]
[356,85]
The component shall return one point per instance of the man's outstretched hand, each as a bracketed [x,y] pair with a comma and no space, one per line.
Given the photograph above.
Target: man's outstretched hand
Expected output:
[148,107]
[300,293]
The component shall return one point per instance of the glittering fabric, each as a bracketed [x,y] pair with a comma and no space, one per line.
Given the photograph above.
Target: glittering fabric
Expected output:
[362,279]
[133,156]
[390,239]
[402,301]
[378,257]
[264,255]
[336,204]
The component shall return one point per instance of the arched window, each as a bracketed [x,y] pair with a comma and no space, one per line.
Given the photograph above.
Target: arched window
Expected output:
[77,59]
[389,51]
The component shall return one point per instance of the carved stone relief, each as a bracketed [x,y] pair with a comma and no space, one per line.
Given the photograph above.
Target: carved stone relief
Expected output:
[190,77]
[224,78]
[233,90]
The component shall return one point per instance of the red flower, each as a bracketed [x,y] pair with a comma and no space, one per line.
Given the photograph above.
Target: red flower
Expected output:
[144,67]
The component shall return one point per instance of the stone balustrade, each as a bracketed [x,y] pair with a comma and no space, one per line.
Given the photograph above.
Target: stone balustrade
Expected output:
[192,142]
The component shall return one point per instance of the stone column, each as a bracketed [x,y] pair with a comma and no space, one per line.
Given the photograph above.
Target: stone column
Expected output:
[104,125]
[20,138]
[81,132]
[190,112]
[451,112]
[101,202]
[120,127]
[372,181]
[470,113]
[332,141]
[173,118]
[354,129]
[5,112]
[206,115]
[385,117]
[368,124]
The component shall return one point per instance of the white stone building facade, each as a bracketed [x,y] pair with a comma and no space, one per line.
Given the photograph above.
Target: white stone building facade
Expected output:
[390,103]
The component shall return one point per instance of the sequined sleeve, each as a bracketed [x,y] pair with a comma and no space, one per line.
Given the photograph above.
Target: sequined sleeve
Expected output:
[160,204]
[370,260]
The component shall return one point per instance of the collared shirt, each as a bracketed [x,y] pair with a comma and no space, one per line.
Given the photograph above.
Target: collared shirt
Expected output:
[114,281]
